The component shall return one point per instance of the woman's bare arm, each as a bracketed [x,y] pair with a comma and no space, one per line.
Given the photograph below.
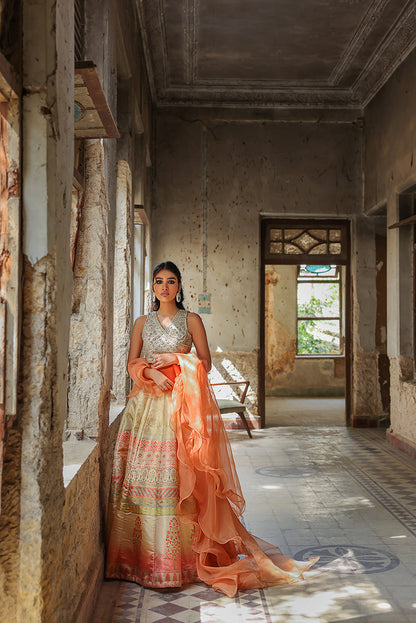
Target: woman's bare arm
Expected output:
[199,338]
[136,341]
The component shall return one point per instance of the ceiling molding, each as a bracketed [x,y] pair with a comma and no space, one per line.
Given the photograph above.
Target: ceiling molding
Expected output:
[211,114]
[378,41]
[364,29]
[392,51]
[146,50]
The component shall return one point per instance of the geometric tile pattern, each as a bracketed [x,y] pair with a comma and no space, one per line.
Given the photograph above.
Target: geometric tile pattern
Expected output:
[193,604]
[128,604]
[316,492]
[386,474]
[350,559]
[389,499]
[283,472]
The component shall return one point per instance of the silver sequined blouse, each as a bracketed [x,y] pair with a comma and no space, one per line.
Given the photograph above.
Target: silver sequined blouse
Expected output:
[175,338]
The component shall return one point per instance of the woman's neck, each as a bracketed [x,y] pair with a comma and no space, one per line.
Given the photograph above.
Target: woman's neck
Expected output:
[167,310]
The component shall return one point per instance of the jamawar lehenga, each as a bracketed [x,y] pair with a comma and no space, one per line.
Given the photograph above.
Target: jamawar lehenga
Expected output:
[176,500]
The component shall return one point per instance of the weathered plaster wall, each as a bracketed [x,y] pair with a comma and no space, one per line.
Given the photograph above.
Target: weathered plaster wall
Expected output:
[239,171]
[11,441]
[14,243]
[122,281]
[51,549]
[9,527]
[88,396]
[81,550]
[366,394]
[390,144]
[47,173]
[286,374]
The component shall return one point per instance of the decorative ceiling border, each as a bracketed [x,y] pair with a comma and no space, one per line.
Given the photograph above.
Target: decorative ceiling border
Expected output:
[253,99]
[397,45]
[164,43]
[361,33]
[393,49]
[146,50]
[190,43]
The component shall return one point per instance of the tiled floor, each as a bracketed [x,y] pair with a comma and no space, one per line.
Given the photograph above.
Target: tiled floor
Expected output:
[341,493]
[305,411]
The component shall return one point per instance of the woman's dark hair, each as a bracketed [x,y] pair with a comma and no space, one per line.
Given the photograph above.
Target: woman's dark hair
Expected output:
[175,270]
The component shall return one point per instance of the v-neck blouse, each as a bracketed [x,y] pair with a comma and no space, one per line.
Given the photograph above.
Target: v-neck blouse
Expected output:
[174,338]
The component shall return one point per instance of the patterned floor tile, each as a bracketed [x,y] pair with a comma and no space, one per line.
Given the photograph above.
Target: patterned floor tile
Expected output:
[342,493]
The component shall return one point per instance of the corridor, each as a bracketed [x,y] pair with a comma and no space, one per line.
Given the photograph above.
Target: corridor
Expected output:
[268,150]
[343,494]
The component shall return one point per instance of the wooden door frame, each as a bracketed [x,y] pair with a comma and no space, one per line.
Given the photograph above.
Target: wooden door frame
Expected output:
[313,223]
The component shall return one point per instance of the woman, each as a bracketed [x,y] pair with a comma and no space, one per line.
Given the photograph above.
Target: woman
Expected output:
[175,496]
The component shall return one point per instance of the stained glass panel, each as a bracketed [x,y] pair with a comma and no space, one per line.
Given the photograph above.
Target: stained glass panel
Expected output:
[320,248]
[335,248]
[291,249]
[292,233]
[304,273]
[305,242]
[276,247]
[301,241]
[275,234]
[319,234]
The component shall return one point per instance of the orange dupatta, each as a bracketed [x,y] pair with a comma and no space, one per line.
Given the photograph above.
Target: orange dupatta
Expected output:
[229,558]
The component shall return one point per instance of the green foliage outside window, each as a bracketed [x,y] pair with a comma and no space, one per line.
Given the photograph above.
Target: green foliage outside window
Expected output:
[315,336]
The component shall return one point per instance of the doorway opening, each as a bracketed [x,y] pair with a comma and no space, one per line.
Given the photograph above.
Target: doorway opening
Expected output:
[305,339]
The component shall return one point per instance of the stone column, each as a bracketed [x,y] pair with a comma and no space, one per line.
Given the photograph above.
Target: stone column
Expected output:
[47,278]
[366,396]
[122,280]
[89,390]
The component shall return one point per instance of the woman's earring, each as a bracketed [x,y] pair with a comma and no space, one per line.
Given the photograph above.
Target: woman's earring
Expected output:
[178,296]
[153,297]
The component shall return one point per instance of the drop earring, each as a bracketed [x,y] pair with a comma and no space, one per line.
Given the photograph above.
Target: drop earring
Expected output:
[178,296]
[153,297]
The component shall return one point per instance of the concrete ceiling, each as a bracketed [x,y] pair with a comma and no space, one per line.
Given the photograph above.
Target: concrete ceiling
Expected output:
[274,53]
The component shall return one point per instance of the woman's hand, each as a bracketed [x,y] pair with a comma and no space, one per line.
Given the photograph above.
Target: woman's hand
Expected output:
[159,378]
[164,359]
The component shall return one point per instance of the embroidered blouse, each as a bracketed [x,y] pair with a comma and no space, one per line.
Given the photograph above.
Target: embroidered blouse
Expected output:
[174,338]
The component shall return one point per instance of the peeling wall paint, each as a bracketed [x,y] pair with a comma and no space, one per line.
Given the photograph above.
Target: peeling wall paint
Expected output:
[390,130]
[9,527]
[274,168]
[89,392]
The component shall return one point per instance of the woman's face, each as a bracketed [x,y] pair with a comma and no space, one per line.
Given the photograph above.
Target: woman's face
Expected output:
[165,286]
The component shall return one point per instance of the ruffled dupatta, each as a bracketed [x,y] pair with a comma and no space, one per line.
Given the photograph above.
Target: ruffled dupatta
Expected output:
[229,558]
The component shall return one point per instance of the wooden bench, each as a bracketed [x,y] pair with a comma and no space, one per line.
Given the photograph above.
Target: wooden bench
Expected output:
[227,405]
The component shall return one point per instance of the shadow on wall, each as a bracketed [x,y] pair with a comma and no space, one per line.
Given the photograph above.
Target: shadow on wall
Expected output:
[236,367]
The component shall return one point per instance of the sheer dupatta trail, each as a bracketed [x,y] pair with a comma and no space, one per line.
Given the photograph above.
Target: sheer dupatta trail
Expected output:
[229,558]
